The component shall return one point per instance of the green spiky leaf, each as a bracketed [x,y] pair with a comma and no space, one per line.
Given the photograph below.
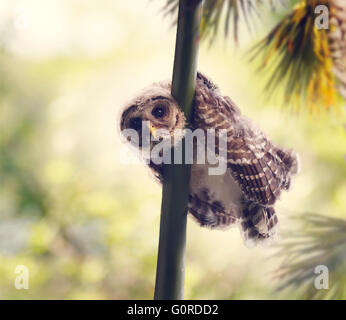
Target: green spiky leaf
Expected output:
[232,10]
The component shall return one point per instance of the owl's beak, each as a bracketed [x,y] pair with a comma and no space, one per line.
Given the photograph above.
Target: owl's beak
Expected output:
[152,130]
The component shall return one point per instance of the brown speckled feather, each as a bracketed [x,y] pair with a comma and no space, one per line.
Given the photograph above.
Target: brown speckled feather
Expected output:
[256,164]
[260,168]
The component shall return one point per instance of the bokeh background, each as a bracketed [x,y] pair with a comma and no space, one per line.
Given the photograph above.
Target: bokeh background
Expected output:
[86,224]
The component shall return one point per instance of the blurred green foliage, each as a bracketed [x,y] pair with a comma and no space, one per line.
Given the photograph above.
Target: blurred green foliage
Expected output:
[320,241]
[84,223]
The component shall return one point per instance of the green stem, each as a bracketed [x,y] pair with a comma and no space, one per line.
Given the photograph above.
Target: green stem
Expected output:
[170,272]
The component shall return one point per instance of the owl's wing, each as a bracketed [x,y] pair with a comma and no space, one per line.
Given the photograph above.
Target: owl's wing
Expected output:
[256,167]
[255,163]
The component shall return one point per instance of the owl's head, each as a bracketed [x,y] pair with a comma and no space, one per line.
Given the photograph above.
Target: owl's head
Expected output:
[155,108]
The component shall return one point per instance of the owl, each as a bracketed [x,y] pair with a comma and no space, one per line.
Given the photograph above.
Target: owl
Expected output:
[257,169]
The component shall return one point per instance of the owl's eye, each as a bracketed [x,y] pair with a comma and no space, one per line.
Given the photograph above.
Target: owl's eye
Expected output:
[159,111]
[135,123]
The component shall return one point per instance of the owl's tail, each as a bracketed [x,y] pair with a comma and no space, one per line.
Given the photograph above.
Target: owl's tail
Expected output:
[259,225]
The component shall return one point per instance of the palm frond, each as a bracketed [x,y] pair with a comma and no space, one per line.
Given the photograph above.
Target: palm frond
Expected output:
[297,54]
[233,10]
[319,240]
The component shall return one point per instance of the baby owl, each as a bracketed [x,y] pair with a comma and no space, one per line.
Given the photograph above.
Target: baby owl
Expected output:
[257,169]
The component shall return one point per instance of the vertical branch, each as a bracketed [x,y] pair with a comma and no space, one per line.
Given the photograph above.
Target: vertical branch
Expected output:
[170,272]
